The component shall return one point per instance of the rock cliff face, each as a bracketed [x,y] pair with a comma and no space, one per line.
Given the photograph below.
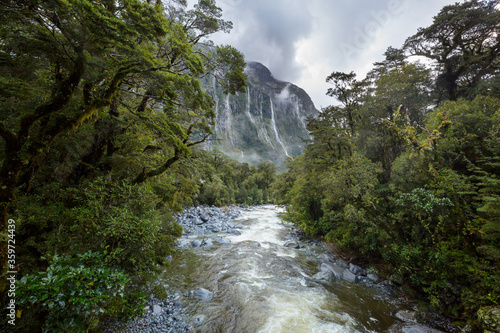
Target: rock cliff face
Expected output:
[265,124]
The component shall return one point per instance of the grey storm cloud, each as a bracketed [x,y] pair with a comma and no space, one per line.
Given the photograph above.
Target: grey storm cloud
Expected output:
[304,41]
[266,31]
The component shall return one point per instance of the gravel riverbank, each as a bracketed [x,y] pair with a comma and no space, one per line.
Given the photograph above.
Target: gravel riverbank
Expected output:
[166,315]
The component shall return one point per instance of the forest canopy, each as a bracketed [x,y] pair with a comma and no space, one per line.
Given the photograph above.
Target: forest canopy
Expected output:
[402,173]
[102,114]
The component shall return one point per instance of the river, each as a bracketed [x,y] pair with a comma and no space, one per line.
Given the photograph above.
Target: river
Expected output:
[259,285]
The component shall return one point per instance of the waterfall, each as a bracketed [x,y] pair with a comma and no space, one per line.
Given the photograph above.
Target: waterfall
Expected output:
[273,123]
[248,107]
[297,113]
[229,119]
[224,126]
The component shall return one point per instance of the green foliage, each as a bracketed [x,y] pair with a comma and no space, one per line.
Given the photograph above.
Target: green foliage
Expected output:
[349,200]
[462,40]
[117,219]
[222,181]
[75,292]
[406,180]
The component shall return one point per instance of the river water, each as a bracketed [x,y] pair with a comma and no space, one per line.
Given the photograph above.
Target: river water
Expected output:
[259,285]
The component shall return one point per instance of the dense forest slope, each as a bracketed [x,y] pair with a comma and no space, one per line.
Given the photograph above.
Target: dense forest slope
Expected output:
[404,173]
[102,114]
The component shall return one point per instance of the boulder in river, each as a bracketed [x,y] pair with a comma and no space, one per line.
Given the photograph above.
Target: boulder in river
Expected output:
[196,243]
[221,240]
[234,232]
[202,294]
[357,270]
[337,270]
[324,276]
[349,276]
[292,244]
[207,242]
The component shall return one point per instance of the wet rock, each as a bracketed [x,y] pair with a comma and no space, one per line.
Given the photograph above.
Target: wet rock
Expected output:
[207,242]
[202,221]
[349,276]
[341,263]
[202,294]
[327,257]
[292,244]
[407,316]
[223,240]
[412,328]
[234,232]
[337,270]
[196,243]
[182,243]
[357,270]
[324,275]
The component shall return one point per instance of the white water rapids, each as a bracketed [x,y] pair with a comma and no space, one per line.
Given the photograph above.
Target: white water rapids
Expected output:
[259,285]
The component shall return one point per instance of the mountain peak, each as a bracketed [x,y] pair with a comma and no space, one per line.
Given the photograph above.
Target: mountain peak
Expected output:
[259,72]
[265,124]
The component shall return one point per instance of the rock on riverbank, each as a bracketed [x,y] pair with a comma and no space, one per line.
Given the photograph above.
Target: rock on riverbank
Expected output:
[167,315]
[161,316]
[203,221]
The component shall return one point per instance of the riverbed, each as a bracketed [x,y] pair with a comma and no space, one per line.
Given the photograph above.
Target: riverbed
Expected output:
[257,284]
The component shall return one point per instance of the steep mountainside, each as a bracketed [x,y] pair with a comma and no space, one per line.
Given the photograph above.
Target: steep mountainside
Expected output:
[265,124]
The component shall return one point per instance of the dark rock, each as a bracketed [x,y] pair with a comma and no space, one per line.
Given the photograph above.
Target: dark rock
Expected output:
[357,270]
[238,226]
[341,263]
[196,243]
[207,242]
[349,276]
[323,275]
[337,270]
[373,278]
[234,232]
[204,218]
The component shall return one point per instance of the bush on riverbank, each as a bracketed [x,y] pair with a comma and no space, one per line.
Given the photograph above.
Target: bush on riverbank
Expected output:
[412,188]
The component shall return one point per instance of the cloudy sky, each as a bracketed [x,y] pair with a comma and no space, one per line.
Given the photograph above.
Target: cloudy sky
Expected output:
[304,41]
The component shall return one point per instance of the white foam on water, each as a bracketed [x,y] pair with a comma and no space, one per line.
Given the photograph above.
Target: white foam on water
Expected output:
[301,311]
